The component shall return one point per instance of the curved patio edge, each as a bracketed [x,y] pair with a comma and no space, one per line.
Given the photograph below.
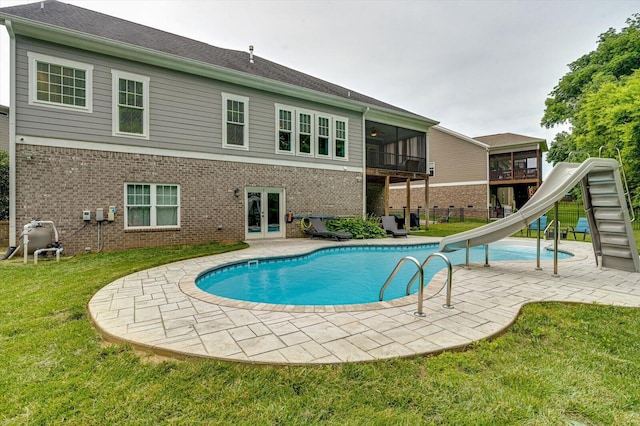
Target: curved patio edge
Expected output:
[160,310]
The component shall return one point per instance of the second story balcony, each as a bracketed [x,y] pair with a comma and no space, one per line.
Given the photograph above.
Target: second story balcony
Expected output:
[514,167]
[400,162]
[519,174]
[393,148]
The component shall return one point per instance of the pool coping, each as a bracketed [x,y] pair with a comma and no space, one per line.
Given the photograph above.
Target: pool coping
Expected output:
[154,311]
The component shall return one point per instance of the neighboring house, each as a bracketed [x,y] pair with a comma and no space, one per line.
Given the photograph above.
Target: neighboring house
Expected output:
[482,175]
[457,173]
[515,169]
[184,142]
[4,128]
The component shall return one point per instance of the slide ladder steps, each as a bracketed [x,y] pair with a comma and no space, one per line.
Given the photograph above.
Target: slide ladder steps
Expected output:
[608,219]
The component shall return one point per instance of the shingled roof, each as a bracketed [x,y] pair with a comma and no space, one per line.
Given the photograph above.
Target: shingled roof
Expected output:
[97,24]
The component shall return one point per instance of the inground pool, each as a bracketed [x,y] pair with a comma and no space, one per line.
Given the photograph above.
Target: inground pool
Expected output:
[340,275]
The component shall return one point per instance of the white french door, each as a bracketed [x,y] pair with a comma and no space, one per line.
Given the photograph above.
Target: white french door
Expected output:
[264,212]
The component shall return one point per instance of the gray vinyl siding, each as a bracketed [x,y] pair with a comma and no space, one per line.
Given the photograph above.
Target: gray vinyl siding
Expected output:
[185,110]
[456,160]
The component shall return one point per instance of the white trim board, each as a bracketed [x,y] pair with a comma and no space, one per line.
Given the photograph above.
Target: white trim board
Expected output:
[97,146]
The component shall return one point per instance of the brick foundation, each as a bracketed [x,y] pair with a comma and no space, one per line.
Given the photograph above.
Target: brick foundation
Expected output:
[58,184]
[398,198]
[443,196]
[459,196]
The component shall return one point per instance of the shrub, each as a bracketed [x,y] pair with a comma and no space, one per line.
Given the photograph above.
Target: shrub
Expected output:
[360,228]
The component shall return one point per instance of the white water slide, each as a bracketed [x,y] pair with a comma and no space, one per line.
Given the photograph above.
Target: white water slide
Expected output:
[605,207]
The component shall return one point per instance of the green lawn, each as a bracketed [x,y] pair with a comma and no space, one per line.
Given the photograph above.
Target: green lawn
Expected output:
[559,364]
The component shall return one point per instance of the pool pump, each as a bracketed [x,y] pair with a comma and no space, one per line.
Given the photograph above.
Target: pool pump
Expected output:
[38,237]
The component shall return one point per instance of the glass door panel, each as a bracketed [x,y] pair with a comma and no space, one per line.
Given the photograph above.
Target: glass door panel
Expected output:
[254,212]
[273,213]
[264,213]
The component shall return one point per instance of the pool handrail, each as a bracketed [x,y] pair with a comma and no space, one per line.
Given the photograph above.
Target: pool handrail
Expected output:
[395,271]
[448,304]
[420,273]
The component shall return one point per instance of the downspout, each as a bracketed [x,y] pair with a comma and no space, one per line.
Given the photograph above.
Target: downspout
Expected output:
[426,181]
[364,163]
[488,187]
[12,134]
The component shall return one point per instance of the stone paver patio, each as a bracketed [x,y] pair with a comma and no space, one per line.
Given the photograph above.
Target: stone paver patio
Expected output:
[162,311]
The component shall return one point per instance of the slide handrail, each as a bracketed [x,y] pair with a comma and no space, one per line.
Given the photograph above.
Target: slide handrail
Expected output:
[627,194]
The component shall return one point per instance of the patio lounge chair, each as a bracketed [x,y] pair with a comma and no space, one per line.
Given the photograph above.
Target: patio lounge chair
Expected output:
[389,224]
[534,225]
[320,231]
[582,227]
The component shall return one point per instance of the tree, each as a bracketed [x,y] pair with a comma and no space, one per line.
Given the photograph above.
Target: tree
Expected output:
[600,98]
[610,117]
[562,145]
[617,55]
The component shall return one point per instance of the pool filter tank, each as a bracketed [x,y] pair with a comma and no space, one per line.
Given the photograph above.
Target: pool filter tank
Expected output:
[37,239]
[36,236]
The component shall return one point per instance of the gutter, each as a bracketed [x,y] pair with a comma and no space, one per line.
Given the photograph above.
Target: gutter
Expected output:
[540,144]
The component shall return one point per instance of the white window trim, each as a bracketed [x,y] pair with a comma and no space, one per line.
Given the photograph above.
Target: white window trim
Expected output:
[312,147]
[153,213]
[116,75]
[293,129]
[245,100]
[329,136]
[346,138]
[33,81]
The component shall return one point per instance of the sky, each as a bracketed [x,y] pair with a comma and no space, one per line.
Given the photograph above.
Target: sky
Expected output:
[479,67]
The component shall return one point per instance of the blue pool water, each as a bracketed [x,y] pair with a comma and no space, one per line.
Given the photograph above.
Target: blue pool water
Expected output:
[341,275]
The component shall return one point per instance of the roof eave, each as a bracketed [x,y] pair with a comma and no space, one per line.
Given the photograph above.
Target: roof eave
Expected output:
[84,41]
[542,144]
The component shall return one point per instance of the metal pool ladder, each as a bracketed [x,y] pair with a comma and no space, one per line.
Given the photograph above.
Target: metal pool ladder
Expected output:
[420,273]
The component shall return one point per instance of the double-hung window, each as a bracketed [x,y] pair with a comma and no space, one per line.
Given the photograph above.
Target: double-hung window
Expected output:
[305,133]
[285,126]
[235,121]
[152,205]
[310,133]
[324,136]
[431,168]
[130,104]
[60,83]
[341,141]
